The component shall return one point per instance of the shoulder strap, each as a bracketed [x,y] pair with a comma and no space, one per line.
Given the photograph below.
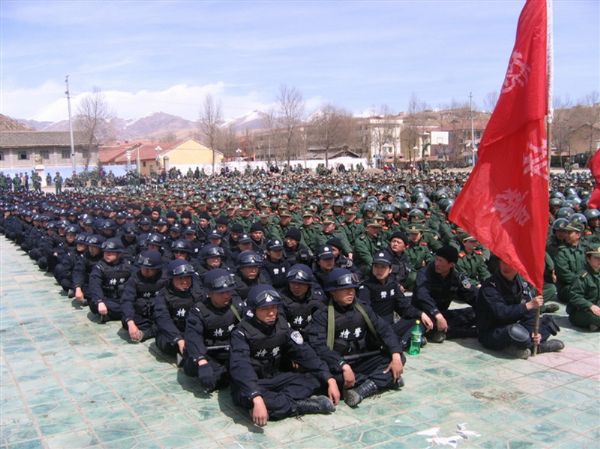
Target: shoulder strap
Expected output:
[235,312]
[330,324]
[363,312]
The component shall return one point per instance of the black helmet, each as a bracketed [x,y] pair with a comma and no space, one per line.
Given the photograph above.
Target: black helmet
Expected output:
[108,224]
[144,221]
[339,278]
[249,259]
[211,251]
[416,214]
[181,245]
[178,268]
[301,274]
[81,239]
[559,224]
[129,229]
[113,245]
[591,214]
[72,229]
[219,280]
[95,240]
[149,259]
[155,239]
[564,212]
[263,295]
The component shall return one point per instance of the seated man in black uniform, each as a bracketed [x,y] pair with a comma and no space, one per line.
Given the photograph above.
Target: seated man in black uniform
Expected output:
[260,344]
[506,311]
[301,297]
[172,306]
[438,284]
[359,347]
[141,290]
[382,292]
[208,327]
[107,281]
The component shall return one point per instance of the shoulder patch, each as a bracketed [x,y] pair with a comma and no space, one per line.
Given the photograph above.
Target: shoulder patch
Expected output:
[297,337]
[466,283]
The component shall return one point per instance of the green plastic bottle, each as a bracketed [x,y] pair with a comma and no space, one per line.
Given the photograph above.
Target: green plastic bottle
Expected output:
[416,336]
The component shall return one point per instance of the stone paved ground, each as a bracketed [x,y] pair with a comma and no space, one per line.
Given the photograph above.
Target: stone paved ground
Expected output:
[68,382]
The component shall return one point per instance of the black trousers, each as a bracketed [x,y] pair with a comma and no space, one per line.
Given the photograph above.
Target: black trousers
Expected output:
[280,392]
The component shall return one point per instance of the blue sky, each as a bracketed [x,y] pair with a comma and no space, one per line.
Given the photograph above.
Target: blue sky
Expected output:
[150,56]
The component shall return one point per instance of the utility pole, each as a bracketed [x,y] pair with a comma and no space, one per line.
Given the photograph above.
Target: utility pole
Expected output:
[70,125]
[472,130]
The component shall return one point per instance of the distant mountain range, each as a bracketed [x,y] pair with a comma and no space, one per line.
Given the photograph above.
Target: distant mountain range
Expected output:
[159,125]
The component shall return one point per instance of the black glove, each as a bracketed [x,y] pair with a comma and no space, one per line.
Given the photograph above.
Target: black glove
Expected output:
[206,375]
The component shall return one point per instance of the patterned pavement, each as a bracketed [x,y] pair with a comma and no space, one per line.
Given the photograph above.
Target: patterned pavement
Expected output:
[69,382]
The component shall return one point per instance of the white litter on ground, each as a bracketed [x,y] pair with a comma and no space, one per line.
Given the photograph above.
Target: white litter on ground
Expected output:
[453,441]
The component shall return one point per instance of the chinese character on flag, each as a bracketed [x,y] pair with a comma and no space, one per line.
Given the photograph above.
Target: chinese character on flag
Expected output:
[594,164]
[504,203]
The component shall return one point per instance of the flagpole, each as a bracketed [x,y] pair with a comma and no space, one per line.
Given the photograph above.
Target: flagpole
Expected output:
[550,69]
[549,118]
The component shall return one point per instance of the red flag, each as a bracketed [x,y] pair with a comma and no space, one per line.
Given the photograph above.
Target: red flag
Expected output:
[504,203]
[594,165]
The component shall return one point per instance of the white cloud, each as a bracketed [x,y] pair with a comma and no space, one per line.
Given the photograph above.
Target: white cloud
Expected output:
[48,102]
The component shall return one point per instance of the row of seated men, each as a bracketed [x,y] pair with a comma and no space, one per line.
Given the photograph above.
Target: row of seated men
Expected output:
[280,333]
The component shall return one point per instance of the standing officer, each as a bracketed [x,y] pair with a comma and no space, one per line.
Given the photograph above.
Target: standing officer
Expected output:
[208,328]
[259,346]
[359,347]
[58,182]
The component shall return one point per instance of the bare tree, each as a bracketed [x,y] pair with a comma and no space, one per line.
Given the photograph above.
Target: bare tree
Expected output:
[291,112]
[270,123]
[210,118]
[331,128]
[561,125]
[411,132]
[93,119]
[228,142]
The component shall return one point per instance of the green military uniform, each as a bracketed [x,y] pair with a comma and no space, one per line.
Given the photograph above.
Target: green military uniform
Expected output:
[550,293]
[322,237]
[310,236]
[364,249]
[353,231]
[569,262]
[473,266]
[583,294]
[58,183]
[554,245]
[432,238]
[591,238]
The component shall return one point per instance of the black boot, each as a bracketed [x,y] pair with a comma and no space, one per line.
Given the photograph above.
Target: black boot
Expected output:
[354,396]
[314,404]
[551,346]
